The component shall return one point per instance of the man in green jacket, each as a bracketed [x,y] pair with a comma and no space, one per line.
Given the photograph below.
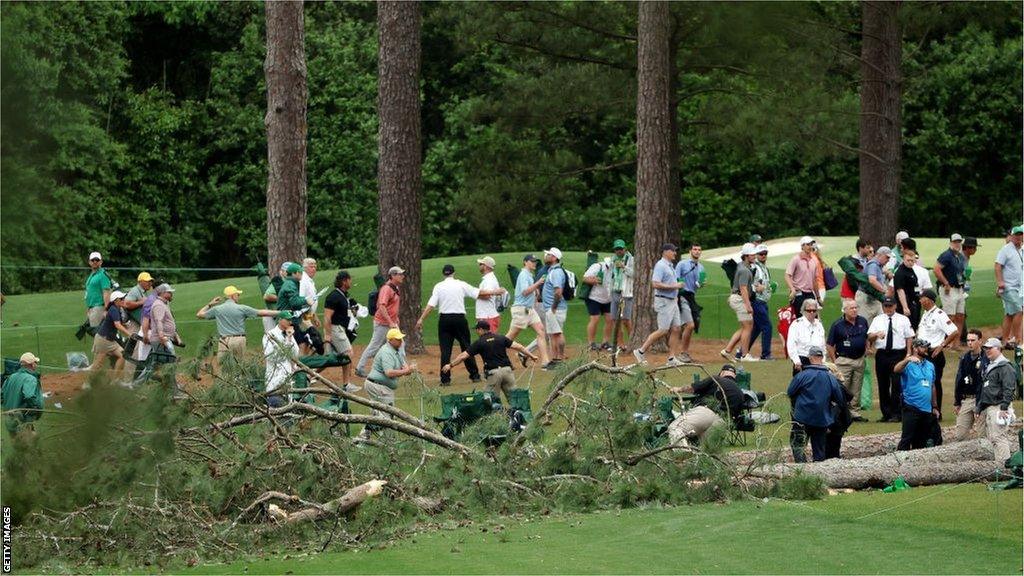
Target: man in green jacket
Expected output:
[288,297]
[22,391]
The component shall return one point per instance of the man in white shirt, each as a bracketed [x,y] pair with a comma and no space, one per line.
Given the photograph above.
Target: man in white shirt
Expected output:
[280,352]
[805,332]
[307,289]
[940,331]
[486,306]
[449,297]
[892,335]
[599,303]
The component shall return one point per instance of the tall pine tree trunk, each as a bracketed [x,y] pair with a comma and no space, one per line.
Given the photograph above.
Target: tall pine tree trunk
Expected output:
[285,70]
[654,148]
[398,167]
[674,223]
[880,137]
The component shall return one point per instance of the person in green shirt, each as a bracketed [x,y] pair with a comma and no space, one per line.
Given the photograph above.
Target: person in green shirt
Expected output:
[388,366]
[230,317]
[97,291]
[288,297]
[22,391]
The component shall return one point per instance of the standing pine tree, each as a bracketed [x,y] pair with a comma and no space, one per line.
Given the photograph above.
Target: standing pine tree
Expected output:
[285,69]
[398,168]
[880,135]
[654,147]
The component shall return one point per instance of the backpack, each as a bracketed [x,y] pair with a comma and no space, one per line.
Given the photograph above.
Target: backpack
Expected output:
[730,266]
[569,288]
[371,299]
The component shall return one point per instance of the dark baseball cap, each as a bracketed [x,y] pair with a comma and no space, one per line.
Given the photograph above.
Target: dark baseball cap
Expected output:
[930,294]
[971,242]
[888,301]
[448,270]
[482,325]
[529,258]
[727,368]
[668,246]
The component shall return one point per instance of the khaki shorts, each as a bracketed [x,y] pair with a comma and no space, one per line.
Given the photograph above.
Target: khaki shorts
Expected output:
[867,306]
[339,340]
[523,317]
[101,345]
[95,315]
[668,313]
[234,345]
[955,302]
[553,321]
[736,303]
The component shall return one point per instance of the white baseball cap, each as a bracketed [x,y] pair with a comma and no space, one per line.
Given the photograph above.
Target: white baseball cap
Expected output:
[761,248]
[748,249]
[95,256]
[806,240]
[901,236]
[29,358]
[554,252]
[117,294]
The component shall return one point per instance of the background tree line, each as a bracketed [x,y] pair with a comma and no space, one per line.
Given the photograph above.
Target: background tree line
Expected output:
[138,128]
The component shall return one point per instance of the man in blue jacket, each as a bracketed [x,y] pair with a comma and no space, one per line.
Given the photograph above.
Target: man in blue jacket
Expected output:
[811,393]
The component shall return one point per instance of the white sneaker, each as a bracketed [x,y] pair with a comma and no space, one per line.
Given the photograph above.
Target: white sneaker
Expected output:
[672,362]
[685,358]
[352,388]
[749,358]
[639,356]
[725,354]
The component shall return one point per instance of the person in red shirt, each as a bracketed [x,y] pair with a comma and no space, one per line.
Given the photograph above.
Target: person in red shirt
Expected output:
[385,318]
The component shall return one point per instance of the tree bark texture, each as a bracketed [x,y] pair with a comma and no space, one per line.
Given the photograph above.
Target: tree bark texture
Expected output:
[347,503]
[654,149]
[972,460]
[399,165]
[880,137]
[285,70]
[674,223]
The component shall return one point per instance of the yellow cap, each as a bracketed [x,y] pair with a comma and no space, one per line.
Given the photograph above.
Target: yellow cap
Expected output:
[395,334]
[144,277]
[231,291]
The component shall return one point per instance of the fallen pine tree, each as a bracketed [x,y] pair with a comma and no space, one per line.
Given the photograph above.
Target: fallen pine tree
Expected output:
[969,461]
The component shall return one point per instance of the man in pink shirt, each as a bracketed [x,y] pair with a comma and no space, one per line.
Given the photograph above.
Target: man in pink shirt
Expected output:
[802,276]
[385,318]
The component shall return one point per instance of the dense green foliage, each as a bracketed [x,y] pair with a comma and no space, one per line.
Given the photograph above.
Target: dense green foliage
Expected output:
[137,128]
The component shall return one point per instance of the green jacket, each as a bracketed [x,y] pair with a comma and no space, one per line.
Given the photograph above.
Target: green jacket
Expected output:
[288,297]
[21,390]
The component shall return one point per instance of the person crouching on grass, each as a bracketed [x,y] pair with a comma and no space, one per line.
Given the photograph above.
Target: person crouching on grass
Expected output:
[388,366]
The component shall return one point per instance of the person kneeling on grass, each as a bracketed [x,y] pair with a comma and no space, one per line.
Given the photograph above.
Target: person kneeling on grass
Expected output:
[493,350]
[388,366]
[716,397]
[22,391]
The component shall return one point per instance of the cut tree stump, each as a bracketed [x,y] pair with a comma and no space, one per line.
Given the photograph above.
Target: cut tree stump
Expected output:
[350,501]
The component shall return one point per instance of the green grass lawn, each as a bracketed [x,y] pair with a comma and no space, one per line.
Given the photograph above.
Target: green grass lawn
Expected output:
[45,323]
[935,530]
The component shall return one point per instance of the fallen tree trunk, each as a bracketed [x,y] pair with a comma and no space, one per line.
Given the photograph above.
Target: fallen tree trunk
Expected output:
[350,501]
[968,461]
[852,447]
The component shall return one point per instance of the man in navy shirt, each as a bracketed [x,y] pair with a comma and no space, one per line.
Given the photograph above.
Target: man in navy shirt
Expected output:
[920,408]
[949,272]
[847,343]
